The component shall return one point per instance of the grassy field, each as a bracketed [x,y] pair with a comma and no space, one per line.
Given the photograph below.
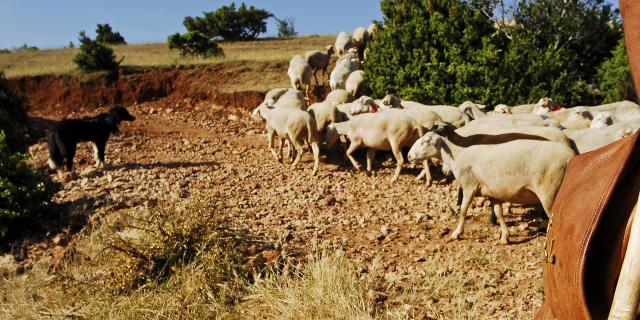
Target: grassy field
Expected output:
[60,61]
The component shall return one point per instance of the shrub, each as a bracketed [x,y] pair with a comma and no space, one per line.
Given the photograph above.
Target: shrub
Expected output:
[194,44]
[22,191]
[616,82]
[229,23]
[13,116]
[286,27]
[556,49]
[95,55]
[439,51]
[104,34]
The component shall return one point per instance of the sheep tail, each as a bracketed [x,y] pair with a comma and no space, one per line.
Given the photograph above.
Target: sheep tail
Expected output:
[312,130]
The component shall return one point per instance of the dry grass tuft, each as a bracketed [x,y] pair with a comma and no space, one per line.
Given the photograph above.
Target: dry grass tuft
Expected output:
[174,262]
[326,288]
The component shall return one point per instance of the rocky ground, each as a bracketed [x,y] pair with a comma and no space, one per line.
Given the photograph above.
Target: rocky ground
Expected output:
[394,234]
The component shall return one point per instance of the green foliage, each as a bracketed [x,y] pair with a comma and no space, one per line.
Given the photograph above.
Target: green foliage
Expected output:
[448,51]
[194,43]
[22,192]
[616,82]
[94,55]
[12,116]
[5,51]
[286,28]
[229,23]
[557,47]
[105,34]
[26,47]
[438,51]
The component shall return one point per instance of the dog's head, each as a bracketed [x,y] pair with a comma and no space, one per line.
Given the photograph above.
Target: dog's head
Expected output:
[117,115]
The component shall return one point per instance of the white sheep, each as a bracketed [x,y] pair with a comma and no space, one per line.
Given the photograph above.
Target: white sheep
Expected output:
[590,139]
[295,126]
[360,37]
[300,73]
[522,171]
[338,96]
[449,114]
[355,83]
[372,30]
[578,119]
[324,114]
[602,120]
[319,60]
[343,43]
[344,67]
[294,97]
[472,110]
[376,131]
[502,109]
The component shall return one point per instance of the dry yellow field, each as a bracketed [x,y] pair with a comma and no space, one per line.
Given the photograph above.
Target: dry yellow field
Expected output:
[60,61]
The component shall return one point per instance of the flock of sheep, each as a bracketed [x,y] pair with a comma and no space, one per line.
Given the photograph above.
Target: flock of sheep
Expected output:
[512,154]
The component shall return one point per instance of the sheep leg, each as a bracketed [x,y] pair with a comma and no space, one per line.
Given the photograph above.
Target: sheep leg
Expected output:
[504,231]
[298,147]
[397,153]
[352,148]
[271,137]
[292,151]
[425,173]
[467,196]
[371,154]
[316,157]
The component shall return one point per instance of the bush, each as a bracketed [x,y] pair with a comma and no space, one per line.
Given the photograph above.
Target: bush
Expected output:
[556,49]
[95,55]
[13,116]
[22,192]
[194,44]
[286,27]
[616,82]
[440,51]
[104,34]
[230,23]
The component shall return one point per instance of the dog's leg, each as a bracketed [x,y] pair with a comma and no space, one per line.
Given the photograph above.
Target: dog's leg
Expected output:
[98,153]
[71,153]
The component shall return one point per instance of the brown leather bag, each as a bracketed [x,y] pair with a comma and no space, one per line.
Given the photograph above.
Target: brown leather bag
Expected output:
[586,236]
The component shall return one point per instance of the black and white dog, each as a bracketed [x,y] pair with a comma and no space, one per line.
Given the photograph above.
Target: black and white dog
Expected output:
[64,136]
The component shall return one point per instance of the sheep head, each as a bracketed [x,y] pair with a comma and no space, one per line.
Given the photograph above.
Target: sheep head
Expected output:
[331,135]
[392,101]
[602,120]
[502,108]
[329,49]
[363,104]
[428,146]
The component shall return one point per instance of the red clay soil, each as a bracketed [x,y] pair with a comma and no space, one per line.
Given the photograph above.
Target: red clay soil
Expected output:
[64,94]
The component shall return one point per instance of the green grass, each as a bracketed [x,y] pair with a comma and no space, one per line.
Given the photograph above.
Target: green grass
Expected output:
[60,61]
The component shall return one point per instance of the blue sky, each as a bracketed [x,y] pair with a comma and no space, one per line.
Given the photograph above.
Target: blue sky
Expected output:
[51,24]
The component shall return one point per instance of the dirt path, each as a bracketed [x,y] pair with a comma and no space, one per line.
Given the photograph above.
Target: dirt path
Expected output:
[395,235]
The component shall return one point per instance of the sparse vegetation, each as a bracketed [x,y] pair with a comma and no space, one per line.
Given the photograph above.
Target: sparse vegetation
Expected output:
[286,27]
[23,192]
[194,43]
[95,56]
[326,288]
[105,34]
[60,61]
[229,23]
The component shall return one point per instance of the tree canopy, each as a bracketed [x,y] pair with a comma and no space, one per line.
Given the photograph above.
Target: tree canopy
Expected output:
[230,23]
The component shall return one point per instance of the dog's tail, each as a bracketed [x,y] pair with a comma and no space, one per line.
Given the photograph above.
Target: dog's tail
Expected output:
[55,154]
